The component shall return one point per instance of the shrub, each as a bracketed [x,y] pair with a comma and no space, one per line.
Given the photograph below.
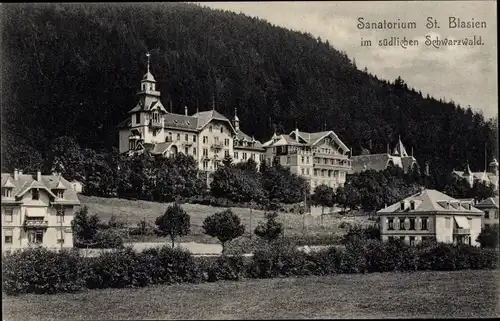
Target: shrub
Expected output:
[108,239]
[353,258]
[225,226]
[42,271]
[279,260]
[112,269]
[489,236]
[225,268]
[438,257]
[357,232]
[271,229]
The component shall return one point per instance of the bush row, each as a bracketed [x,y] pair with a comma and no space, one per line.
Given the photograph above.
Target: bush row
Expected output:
[43,271]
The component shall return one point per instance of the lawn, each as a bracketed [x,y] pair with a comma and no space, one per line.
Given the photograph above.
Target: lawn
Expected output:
[132,212]
[378,295]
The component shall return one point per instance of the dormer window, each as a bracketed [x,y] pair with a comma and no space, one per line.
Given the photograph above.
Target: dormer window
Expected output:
[412,205]
[7,192]
[59,193]
[402,206]
[35,194]
[137,118]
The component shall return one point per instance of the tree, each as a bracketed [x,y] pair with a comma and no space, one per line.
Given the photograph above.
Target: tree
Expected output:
[174,222]
[489,236]
[84,227]
[236,184]
[271,229]
[66,158]
[225,226]
[323,196]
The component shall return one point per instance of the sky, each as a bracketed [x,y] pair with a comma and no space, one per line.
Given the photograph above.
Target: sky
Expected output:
[466,75]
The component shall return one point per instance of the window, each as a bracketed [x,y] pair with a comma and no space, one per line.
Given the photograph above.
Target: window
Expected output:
[205,152]
[226,142]
[210,129]
[35,236]
[412,205]
[235,155]
[194,151]
[226,153]
[303,159]
[390,223]
[35,194]
[244,156]
[261,157]
[402,206]
[221,129]
[7,192]
[194,138]
[205,164]
[307,171]
[303,171]
[486,214]
[8,237]
[447,222]
[60,215]
[205,139]
[252,156]
[59,193]
[8,214]
[496,214]
[412,240]
[186,137]
[137,118]
[178,136]
[307,159]
[288,160]
[186,150]
[60,240]
[402,238]
[412,223]
[402,223]
[170,137]
[154,134]
[424,223]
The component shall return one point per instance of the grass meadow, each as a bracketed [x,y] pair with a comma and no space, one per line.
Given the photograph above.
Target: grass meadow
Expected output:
[379,295]
[132,212]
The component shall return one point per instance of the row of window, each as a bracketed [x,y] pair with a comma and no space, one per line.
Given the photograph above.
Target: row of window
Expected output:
[9,211]
[412,239]
[409,224]
[494,214]
[34,237]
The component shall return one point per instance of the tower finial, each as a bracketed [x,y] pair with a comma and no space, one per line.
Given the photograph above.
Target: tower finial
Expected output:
[148,55]
[213,101]
[235,112]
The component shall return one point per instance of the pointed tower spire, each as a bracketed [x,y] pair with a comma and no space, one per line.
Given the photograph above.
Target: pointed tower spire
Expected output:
[148,55]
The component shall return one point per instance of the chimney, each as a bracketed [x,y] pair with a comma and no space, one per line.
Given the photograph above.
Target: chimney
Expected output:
[296,134]
[39,176]
[186,110]
[20,172]
[16,174]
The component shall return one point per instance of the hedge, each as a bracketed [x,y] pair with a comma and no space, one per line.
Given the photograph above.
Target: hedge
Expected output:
[42,271]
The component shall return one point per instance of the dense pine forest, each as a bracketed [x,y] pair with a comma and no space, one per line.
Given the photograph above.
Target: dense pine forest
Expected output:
[74,70]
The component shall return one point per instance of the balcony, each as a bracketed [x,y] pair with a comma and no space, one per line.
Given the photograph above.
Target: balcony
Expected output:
[187,144]
[329,155]
[155,123]
[461,231]
[36,224]
[331,166]
[217,146]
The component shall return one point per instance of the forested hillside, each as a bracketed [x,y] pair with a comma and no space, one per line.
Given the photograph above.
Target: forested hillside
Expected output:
[74,70]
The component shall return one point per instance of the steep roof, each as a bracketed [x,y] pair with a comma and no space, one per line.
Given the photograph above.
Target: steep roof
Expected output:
[313,138]
[205,117]
[430,200]
[179,121]
[400,150]
[376,162]
[408,162]
[26,182]
[242,136]
[488,203]
[148,77]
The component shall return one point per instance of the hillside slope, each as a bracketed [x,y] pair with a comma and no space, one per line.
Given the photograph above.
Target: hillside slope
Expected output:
[74,69]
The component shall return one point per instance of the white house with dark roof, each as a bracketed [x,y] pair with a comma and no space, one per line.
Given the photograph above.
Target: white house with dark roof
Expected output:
[37,210]
[207,136]
[321,157]
[490,208]
[430,214]
[399,157]
[488,177]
